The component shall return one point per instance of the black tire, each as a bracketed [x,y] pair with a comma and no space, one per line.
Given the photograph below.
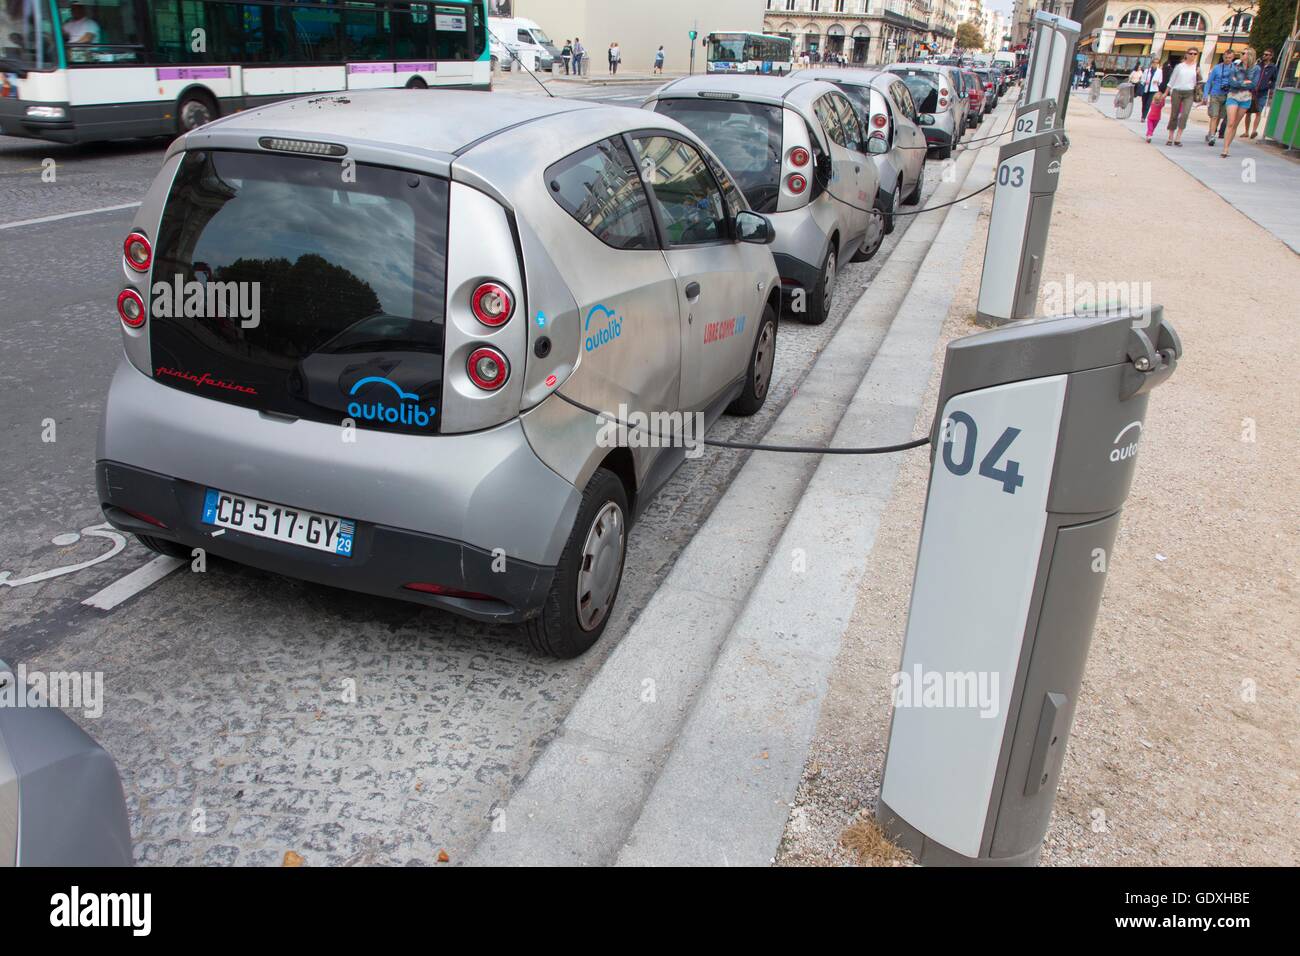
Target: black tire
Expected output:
[194,110]
[866,253]
[416,83]
[943,152]
[819,301]
[895,201]
[172,549]
[914,196]
[758,373]
[558,631]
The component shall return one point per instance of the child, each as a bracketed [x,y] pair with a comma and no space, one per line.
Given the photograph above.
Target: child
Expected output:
[1153,115]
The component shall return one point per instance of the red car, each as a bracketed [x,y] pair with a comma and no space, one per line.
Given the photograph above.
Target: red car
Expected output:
[976,96]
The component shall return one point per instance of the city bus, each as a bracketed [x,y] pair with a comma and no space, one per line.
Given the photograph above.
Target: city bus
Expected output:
[108,69]
[743,52]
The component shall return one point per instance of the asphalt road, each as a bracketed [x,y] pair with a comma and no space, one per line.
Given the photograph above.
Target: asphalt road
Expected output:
[227,703]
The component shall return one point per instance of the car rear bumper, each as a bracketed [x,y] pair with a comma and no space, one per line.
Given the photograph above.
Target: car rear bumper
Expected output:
[477,512]
[384,560]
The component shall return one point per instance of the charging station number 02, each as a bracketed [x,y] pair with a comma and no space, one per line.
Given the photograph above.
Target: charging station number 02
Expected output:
[961,461]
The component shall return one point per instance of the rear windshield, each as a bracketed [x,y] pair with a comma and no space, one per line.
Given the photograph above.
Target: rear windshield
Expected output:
[925,89]
[303,286]
[745,136]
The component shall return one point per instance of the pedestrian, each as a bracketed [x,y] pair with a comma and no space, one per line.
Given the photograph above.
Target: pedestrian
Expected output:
[615,54]
[659,60]
[1150,85]
[579,54]
[566,54]
[1241,88]
[1263,90]
[1216,95]
[1153,113]
[1181,90]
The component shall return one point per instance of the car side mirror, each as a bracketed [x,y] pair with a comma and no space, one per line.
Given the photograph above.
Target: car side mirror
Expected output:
[876,145]
[925,119]
[754,227]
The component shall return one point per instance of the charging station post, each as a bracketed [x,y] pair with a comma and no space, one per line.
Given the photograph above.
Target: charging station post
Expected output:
[1033,451]
[1028,171]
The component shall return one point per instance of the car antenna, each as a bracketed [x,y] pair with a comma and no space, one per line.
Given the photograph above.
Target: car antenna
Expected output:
[515,56]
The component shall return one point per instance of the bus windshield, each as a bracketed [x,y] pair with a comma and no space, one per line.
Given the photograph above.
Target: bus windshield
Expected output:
[28,37]
[727,48]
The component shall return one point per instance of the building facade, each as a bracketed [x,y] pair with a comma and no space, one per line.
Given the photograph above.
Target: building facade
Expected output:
[864,31]
[1138,30]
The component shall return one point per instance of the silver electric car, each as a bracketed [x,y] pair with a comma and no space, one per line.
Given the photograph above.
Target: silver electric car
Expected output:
[798,151]
[940,94]
[440,348]
[895,139]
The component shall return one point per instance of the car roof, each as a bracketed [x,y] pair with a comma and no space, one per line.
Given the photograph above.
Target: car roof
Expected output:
[856,77]
[746,86]
[442,121]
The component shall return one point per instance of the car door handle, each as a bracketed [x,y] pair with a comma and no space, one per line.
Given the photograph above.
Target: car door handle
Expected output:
[692,290]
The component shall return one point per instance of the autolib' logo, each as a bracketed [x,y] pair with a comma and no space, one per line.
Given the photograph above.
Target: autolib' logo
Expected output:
[404,410]
[612,329]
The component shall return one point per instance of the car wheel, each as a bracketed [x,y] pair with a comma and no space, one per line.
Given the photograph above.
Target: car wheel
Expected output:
[587,578]
[172,549]
[194,110]
[881,226]
[914,196]
[819,306]
[758,376]
[895,201]
[416,83]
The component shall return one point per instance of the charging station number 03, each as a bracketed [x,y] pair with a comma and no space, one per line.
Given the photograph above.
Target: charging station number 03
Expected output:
[959,458]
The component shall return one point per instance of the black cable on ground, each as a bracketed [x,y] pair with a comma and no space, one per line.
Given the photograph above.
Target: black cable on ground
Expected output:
[910,212]
[755,446]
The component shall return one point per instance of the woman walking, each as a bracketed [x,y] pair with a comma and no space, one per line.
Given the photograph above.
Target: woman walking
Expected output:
[615,54]
[1241,87]
[1181,90]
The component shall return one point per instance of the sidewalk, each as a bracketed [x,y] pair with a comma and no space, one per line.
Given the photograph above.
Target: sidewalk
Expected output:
[1257,178]
[1184,748]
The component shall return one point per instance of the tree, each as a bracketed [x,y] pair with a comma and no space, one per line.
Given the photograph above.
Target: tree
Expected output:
[1273,24]
[969,37]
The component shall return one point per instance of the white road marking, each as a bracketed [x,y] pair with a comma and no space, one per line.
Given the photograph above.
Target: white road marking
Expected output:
[134,583]
[66,215]
[98,531]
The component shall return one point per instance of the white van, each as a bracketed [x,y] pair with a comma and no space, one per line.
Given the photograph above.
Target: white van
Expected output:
[525,39]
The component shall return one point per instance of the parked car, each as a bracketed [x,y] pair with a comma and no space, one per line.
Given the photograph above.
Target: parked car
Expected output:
[61,801]
[991,91]
[938,92]
[895,138]
[798,151]
[975,97]
[453,301]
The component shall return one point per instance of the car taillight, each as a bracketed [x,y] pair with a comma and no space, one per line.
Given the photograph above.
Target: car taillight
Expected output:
[879,121]
[130,308]
[138,252]
[796,183]
[799,156]
[487,368]
[943,92]
[943,104]
[492,304]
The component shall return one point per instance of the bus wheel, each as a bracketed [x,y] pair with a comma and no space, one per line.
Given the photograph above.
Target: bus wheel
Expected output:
[195,110]
[416,83]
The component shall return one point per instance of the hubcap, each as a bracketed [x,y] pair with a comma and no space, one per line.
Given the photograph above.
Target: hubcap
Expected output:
[764,358]
[194,114]
[599,566]
[828,287]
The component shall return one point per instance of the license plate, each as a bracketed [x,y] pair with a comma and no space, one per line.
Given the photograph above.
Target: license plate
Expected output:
[306,529]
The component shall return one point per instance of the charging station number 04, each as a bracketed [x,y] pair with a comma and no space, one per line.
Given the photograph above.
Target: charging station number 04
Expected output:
[960,463]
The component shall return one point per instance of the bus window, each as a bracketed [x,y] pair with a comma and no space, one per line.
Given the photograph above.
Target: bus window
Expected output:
[367,38]
[103,32]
